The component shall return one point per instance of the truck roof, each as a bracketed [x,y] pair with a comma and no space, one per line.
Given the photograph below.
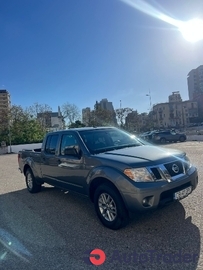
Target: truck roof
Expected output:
[80,129]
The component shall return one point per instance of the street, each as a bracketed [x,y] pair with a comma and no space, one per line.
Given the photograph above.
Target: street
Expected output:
[54,229]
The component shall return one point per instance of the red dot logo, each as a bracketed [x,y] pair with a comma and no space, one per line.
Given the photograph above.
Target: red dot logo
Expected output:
[97,256]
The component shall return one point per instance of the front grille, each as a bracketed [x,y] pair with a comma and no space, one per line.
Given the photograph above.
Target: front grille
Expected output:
[174,168]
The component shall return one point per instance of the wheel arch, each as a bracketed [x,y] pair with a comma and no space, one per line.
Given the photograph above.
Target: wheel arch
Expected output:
[26,167]
[99,181]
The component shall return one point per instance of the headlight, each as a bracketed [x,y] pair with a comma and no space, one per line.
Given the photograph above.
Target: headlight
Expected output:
[187,163]
[139,175]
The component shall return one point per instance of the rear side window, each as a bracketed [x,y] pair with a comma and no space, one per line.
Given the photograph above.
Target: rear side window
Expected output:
[51,144]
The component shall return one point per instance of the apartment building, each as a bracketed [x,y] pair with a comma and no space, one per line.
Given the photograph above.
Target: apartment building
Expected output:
[106,105]
[52,121]
[195,82]
[86,116]
[95,116]
[175,113]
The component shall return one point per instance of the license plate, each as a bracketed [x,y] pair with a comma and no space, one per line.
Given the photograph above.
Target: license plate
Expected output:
[182,193]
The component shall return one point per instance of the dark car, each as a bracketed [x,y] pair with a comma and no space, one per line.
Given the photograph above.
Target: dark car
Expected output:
[118,172]
[147,136]
[168,136]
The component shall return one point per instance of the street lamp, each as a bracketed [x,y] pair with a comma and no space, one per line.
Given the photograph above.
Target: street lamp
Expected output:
[9,135]
[150,100]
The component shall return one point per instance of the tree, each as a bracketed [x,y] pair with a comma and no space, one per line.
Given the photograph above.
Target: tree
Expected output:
[77,124]
[37,108]
[41,112]
[70,112]
[132,122]
[121,114]
[4,125]
[102,117]
[20,127]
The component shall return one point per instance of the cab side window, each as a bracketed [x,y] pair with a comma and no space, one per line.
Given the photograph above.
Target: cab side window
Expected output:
[68,141]
[51,144]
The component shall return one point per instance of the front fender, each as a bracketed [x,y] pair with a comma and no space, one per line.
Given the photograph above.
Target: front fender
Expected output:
[116,177]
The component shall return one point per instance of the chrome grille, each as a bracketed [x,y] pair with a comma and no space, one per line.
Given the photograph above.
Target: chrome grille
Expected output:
[174,168]
[168,171]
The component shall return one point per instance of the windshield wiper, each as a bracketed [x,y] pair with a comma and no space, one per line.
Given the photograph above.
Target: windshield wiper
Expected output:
[116,147]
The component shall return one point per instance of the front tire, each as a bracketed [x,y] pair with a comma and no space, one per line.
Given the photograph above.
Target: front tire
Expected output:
[162,140]
[110,208]
[32,185]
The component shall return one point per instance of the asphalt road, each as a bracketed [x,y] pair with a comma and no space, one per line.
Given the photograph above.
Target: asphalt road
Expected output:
[57,230]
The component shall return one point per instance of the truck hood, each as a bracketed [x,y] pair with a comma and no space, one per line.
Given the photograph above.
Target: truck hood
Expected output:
[141,154]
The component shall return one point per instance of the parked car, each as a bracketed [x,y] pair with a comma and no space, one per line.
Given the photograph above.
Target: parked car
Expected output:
[118,172]
[147,136]
[168,136]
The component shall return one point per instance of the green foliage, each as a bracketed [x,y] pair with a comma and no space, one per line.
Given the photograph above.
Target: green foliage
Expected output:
[102,117]
[20,127]
[77,124]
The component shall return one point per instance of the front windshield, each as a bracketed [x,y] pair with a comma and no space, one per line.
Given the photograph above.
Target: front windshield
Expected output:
[101,140]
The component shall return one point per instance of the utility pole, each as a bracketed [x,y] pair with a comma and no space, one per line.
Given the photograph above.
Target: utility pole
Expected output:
[150,100]
[120,113]
[9,135]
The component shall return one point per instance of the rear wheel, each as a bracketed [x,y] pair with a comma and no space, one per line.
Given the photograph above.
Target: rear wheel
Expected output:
[32,185]
[110,208]
[182,139]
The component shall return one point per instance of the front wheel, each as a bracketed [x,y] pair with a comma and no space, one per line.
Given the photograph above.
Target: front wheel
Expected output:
[110,208]
[32,185]
[162,140]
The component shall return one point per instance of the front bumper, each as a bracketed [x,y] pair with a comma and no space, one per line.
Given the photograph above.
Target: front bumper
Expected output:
[147,197]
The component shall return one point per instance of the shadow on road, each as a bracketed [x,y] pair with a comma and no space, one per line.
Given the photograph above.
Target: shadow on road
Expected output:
[53,230]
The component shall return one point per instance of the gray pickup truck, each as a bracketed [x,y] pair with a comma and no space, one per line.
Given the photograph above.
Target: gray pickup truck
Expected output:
[120,173]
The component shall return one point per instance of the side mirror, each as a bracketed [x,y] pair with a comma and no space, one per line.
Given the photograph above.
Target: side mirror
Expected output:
[72,151]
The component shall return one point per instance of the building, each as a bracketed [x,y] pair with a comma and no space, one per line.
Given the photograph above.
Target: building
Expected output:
[52,121]
[57,121]
[102,114]
[106,105]
[86,116]
[175,113]
[136,122]
[5,102]
[195,82]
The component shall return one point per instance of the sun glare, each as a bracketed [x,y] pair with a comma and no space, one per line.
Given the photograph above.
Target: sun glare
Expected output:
[192,30]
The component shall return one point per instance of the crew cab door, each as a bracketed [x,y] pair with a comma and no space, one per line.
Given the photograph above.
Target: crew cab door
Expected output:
[49,158]
[63,165]
[71,169]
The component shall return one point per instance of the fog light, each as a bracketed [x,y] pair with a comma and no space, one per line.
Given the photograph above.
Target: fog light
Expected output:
[147,201]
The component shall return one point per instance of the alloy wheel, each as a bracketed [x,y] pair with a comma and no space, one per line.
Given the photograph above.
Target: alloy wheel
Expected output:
[107,207]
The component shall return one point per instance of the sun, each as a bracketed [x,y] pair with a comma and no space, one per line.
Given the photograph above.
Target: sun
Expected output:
[192,30]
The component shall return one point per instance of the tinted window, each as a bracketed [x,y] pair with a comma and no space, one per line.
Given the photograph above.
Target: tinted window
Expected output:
[68,141]
[51,144]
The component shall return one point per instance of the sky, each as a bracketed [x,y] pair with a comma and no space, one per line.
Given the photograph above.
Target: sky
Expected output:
[81,51]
